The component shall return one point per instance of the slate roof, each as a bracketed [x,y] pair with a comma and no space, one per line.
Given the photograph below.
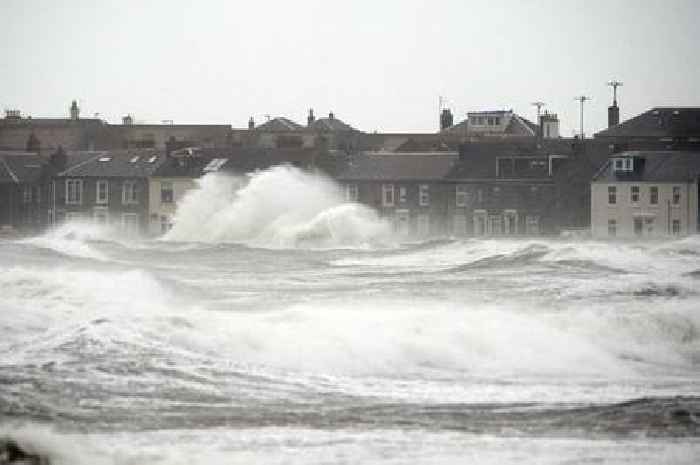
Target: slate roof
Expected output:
[114,163]
[330,125]
[657,166]
[279,124]
[238,160]
[21,167]
[399,166]
[658,122]
[479,159]
[50,122]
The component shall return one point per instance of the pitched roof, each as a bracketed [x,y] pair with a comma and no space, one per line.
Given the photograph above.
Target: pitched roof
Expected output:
[479,160]
[398,166]
[658,122]
[330,124]
[50,122]
[233,160]
[21,167]
[653,166]
[133,163]
[280,124]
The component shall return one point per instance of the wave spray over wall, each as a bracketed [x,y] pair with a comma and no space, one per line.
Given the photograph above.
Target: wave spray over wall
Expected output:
[282,207]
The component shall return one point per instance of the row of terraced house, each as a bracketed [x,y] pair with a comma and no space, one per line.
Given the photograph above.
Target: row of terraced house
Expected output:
[493,174]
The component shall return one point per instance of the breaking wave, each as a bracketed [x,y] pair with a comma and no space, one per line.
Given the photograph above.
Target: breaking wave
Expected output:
[279,207]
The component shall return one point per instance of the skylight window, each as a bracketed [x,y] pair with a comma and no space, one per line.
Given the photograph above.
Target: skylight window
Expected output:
[153,159]
[134,159]
[105,159]
[215,164]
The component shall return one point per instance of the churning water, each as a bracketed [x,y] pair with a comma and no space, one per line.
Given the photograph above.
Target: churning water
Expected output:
[276,324]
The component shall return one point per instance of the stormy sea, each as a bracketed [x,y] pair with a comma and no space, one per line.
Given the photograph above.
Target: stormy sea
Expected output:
[276,323]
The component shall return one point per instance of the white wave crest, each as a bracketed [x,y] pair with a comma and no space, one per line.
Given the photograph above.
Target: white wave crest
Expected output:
[280,207]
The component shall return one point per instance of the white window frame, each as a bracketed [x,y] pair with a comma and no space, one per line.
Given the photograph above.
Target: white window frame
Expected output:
[77,190]
[652,197]
[461,195]
[633,193]
[129,193]
[105,200]
[388,191]
[402,194]
[424,195]
[352,193]
[676,196]
[163,185]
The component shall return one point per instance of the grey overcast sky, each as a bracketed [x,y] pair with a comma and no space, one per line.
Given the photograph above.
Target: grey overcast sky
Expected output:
[377,64]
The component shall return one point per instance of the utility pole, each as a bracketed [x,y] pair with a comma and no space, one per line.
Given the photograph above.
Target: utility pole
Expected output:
[582,99]
[615,85]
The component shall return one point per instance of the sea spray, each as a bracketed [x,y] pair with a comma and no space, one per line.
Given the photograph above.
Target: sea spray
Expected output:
[280,207]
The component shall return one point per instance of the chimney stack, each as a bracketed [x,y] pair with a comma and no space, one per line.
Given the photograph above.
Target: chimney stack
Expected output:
[251,123]
[446,119]
[74,111]
[311,118]
[614,110]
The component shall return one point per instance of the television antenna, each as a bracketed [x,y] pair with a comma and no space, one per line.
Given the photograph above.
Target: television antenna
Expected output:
[582,99]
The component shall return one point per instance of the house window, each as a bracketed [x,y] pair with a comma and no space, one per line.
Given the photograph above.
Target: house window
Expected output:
[102,192]
[480,222]
[649,223]
[423,195]
[612,195]
[634,194]
[74,191]
[532,224]
[129,193]
[27,194]
[676,227]
[654,195]
[676,195]
[624,164]
[510,222]
[479,195]
[387,195]
[165,224]
[461,196]
[402,194]
[612,228]
[166,192]
[351,193]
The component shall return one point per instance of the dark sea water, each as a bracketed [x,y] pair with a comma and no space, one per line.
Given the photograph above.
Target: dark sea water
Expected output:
[177,351]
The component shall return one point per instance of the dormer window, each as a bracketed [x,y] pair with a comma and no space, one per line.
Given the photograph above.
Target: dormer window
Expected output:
[623,164]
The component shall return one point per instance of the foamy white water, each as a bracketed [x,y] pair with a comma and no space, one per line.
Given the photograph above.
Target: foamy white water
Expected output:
[279,207]
[213,350]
